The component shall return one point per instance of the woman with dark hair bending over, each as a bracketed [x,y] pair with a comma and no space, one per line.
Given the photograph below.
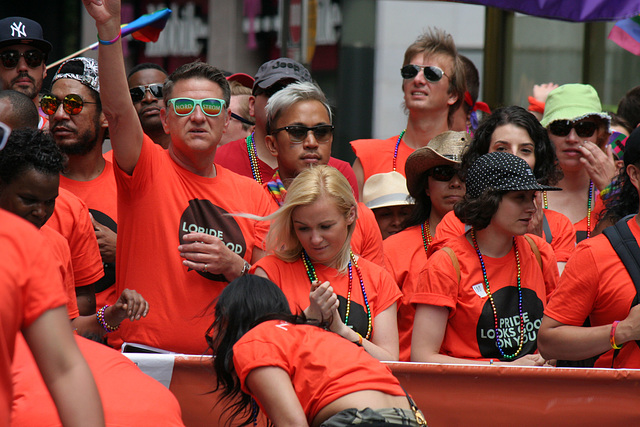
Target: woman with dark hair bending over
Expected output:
[316,269]
[298,373]
[481,298]
[515,130]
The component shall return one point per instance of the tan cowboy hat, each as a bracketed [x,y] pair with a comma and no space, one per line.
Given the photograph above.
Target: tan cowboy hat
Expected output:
[444,149]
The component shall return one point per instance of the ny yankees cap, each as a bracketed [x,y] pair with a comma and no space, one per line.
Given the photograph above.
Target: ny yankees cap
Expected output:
[17,30]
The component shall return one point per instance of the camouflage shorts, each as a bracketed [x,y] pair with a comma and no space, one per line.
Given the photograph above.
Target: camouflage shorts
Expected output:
[368,416]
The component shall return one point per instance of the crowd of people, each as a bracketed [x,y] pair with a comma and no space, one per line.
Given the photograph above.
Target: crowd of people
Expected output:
[219,223]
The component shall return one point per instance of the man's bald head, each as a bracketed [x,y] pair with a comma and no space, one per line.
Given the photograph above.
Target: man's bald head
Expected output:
[17,110]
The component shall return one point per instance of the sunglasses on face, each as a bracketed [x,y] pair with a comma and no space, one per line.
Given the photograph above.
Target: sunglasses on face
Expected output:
[211,107]
[72,104]
[297,133]
[138,92]
[563,128]
[10,58]
[5,131]
[443,173]
[432,73]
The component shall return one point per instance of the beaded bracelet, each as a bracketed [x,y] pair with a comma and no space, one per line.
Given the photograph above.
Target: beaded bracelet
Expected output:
[612,336]
[103,322]
[108,42]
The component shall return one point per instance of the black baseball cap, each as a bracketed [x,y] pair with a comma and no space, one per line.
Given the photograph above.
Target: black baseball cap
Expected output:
[17,30]
[504,172]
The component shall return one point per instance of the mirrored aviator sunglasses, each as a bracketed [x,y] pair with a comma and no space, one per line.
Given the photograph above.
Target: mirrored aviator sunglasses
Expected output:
[10,58]
[432,73]
[443,173]
[211,107]
[563,128]
[138,92]
[72,104]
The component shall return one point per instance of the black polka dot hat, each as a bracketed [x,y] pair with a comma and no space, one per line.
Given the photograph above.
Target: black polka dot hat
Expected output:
[501,171]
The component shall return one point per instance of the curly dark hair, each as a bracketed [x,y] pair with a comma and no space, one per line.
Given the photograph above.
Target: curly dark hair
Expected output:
[478,212]
[546,168]
[30,149]
[624,201]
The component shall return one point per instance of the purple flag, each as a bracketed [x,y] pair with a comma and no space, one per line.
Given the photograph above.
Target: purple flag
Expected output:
[568,10]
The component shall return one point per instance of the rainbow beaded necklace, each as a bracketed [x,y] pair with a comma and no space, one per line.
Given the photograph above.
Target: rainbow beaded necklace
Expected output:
[426,235]
[589,206]
[395,152]
[253,158]
[313,277]
[277,189]
[493,305]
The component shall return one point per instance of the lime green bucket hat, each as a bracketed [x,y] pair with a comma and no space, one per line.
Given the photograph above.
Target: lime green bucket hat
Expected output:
[573,102]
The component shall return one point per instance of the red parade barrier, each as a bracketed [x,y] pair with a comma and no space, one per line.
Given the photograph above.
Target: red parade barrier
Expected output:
[463,395]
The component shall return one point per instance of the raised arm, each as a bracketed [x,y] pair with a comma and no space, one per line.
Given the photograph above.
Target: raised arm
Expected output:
[125,129]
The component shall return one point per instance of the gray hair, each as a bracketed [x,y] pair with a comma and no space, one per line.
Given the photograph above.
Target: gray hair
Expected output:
[295,92]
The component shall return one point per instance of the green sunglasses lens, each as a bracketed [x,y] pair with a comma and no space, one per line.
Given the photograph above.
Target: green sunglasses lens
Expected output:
[211,107]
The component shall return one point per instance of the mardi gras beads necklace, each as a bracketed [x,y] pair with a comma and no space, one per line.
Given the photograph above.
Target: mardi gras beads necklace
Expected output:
[395,152]
[253,158]
[493,305]
[313,277]
[426,235]
[589,206]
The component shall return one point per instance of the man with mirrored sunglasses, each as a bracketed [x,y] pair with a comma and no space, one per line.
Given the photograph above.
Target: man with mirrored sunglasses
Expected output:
[23,53]
[177,242]
[433,85]
[145,86]
[249,156]
[79,127]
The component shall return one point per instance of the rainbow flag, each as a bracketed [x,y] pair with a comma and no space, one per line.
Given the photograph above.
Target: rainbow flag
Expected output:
[147,28]
[626,34]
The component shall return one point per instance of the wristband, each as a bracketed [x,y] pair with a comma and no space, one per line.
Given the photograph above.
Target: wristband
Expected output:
[108,42]
[535,105]
[612,336]
[103,322]
[359,342]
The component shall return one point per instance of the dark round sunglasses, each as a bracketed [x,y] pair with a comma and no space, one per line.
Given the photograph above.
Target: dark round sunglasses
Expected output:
[10,58]
[138,92]
[297,133]
[563,128]
[72,104]
[432,73]
[443,173]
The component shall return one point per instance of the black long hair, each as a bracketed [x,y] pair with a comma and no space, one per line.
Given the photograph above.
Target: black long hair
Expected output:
[546,169]
[245,303]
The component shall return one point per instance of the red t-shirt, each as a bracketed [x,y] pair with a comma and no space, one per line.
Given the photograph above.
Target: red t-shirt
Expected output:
[235,157]
[376,155]
[292,278]
[470,332]
[404,257]
[563,235]
[596,284]
[157,205]
[322,366]
[30,284]
[129,397]
[60,250]
[71,219]
[101,196]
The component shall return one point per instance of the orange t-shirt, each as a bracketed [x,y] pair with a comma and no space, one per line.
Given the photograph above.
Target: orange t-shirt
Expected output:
[596,284]
[101,196]
[30,284]
[71,219]
[563,235]
[470,331]
[581,226]
[157,205]
[292,278]
[60,250]
[376,155]
[322,366]
[404,258]
[129,397]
